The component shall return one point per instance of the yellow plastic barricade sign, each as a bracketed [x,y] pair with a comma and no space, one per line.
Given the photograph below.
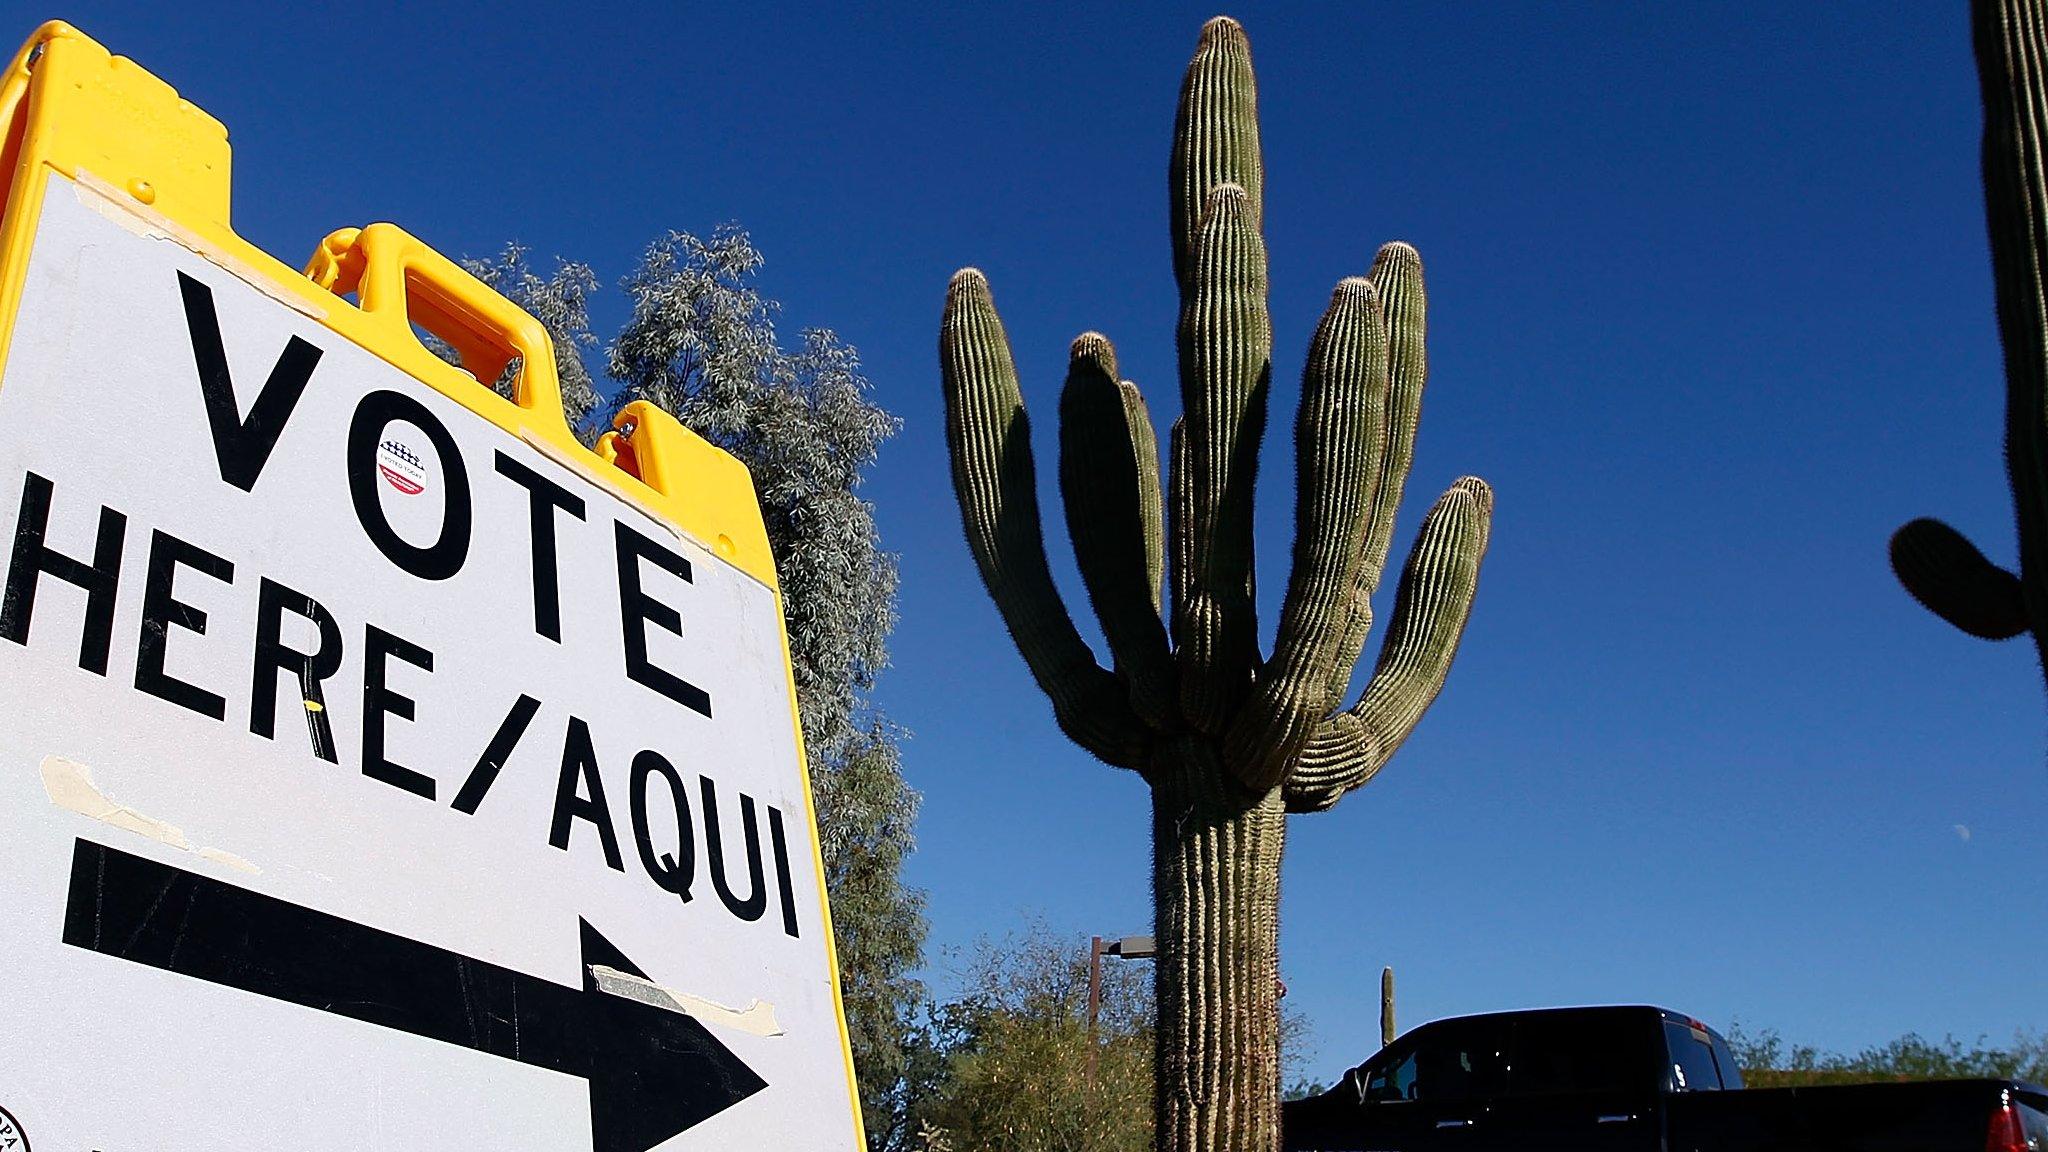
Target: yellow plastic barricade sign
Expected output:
[379,767]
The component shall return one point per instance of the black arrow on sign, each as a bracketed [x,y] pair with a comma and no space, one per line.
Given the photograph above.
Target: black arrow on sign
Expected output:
[653,1073]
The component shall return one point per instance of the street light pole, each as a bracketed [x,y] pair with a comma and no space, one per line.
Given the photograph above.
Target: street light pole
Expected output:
[1128,948]
[1094,998]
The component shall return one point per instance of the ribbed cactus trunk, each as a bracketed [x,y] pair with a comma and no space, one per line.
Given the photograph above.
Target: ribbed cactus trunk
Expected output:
[1229,741]
[1216,895]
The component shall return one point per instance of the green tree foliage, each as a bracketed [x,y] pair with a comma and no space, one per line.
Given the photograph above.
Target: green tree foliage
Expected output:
[1302,1087]
[701,342]
[865,811]
[1004,1065]
[561,303]
[1769,1062]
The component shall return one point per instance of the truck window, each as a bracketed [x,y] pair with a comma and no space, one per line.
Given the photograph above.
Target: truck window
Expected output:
[1583,1051]
[1392,1077]
[1460,1060]
[1690,1063]
[1731,1072]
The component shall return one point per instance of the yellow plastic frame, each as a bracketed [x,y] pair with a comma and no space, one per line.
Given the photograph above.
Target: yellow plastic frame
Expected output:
[69,106]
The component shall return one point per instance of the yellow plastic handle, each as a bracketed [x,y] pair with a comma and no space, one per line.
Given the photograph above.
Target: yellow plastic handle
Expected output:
[400,282]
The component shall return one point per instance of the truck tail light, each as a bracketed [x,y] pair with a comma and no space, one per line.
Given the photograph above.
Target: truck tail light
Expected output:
[2007,1133]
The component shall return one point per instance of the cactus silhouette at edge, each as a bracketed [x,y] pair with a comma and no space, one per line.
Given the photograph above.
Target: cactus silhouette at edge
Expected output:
[1229,743]
[1944,571]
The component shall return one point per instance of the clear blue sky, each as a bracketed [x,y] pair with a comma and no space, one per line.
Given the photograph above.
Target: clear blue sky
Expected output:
[1710,307]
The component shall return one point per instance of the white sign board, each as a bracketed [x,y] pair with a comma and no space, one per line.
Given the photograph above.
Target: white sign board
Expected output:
[368,778]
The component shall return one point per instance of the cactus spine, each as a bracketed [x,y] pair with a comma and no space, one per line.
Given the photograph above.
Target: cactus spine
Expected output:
[1387,1029]
[1230,743]
[1944,571]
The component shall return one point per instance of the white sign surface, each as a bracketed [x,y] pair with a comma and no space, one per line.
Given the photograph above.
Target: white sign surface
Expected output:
[368,778]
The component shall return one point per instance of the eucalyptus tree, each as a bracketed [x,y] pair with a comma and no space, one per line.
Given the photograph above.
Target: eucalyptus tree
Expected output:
[701,342]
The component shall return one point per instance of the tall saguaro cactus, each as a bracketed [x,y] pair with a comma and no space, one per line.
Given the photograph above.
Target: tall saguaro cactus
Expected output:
[1937,565]
[1229,742]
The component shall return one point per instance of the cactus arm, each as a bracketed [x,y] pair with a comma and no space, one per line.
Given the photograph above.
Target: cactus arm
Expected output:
[1397,279]
[1341,756]
[1215,136]
[1339,436]
[1226,342]
[1953,580]
[989,440]
[1225,347]
[1430,610]
[1107,484]
[1145,450]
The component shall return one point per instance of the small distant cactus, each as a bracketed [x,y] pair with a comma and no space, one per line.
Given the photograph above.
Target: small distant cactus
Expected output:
[1230,742]
[1387,1030]
[1944,571]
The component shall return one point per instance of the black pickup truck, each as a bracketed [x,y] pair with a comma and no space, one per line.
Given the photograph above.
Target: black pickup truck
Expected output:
[1633,1080]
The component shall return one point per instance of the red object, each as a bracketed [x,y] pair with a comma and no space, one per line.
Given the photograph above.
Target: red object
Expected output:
[2007,1133]
[401,481]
